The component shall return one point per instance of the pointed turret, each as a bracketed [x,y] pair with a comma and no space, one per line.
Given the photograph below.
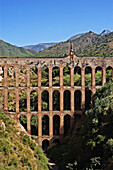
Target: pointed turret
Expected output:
[71,51]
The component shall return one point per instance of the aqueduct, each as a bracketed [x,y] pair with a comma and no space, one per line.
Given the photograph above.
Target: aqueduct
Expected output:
[64,113]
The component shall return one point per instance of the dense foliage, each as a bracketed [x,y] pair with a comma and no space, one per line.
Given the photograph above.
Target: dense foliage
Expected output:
[90,144]
[17,150]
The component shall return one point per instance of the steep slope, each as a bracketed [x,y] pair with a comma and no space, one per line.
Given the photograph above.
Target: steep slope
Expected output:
[90,143]
[89,44]
[8,50]
[39,47]
[17,150]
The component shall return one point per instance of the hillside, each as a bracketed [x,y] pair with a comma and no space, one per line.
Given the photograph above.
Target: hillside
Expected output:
[39,47]
[17,150]
[8,50]
[89,44]
[89,145]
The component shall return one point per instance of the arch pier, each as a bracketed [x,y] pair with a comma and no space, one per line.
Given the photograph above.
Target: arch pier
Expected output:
[50,91]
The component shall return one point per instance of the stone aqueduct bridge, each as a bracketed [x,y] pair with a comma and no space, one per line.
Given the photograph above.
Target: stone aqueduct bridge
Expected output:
[72,61]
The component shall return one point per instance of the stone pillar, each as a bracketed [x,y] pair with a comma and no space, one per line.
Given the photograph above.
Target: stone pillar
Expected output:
[39,101]
[28,90]
[40,129]
[61,125]
[61,76]
[29,123]
[50,125]
[103,76]
[83,77]
[50,76]
[93,77]
[17,89]
[61,101]
[5,89]
[39,76]
[72,101]
[83,88]
[72,76]
[50,100]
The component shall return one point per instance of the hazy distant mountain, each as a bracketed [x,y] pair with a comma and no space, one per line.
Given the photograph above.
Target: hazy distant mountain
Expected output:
[105,32]
[8,50]
[39,47]
[75,37]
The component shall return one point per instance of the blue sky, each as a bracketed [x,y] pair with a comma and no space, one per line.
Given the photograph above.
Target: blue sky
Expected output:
[24,22]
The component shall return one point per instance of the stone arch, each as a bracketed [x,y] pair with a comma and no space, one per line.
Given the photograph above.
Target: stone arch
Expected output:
[22,101]
[11,101]
[56,141]
[77,100]
[67,97]
[67,119]
[98,76]
[56,100]
[11,76]
[34,77]
[34,125]
[77,76]
[1,99]
[56,125]
[45,100]
[44,76]
[88,95]
[56,76]
[1,76]
[88,71]
[23,121]
[45,144]
[66,76]
[22,76]
[45,125]
[34,100]
[109,73]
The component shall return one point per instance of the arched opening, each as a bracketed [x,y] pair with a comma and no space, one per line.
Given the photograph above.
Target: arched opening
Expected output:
[88,94]
[45,100]
[22,77]
[45,125]
[77,76]
[56,125]
[56,142]
[55,76]
[67,100]
[34,101]
[11,101]
[66,76]
[11,77]
[33,77]
[108,73]
[23,121]
[44,76]
[1,99]
[1,76]
[45,144]
[56,100]
[34,125]
[77,96]
[22,101]
[66,123]
[88,76]
[98,76]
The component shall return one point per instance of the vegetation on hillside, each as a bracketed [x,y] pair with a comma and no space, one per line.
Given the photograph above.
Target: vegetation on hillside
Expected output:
[89,44]
[17,150]
[90,143]
[8,50]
